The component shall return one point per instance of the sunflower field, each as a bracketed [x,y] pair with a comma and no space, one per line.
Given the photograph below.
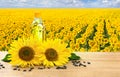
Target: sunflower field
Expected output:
[83,30]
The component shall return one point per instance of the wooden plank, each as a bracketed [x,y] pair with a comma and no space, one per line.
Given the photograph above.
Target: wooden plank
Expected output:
[103,64]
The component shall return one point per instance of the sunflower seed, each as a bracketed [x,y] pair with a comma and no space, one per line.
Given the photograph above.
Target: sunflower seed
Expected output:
[24,70]
[3,67]
[15,69]
[77,61]
[65,67]
[48,67]
[18,69]
[29,70]
[17,66]
[73,61]
[40,68]
[76,65]
[84,62]
[84,65]
[80,64]
[32,68]
[57,67]
[88,63]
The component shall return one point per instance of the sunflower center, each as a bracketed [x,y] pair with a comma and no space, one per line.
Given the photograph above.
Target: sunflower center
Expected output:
[26,53]
[51,54]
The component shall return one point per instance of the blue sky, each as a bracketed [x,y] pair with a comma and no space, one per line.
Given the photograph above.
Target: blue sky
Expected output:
[59,3]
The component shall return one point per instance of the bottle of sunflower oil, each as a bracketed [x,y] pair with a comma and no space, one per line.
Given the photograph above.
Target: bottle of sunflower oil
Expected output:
[38,29]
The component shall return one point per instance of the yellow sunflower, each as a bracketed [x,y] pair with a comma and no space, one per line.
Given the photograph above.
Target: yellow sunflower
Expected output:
[24,52]
[54,53]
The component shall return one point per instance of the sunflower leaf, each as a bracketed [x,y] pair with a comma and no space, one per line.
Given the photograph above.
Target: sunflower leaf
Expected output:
[7,58]
[74,57]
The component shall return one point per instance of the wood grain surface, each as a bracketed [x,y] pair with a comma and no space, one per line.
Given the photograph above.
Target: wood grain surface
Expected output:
[103,64]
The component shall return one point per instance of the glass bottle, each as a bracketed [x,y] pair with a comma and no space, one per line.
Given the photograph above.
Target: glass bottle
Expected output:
[38,29]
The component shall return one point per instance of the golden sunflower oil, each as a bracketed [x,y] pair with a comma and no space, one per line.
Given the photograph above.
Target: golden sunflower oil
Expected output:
[38,29]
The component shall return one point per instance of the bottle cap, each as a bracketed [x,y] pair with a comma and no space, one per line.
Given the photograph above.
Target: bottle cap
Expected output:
[37,15]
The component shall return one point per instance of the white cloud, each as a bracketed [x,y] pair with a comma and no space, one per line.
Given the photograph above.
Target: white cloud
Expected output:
[71,3]
[111,3]
[105,1]
[23,0]
[117,2]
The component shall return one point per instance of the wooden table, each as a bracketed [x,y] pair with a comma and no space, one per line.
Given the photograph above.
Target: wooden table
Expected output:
[103,64]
